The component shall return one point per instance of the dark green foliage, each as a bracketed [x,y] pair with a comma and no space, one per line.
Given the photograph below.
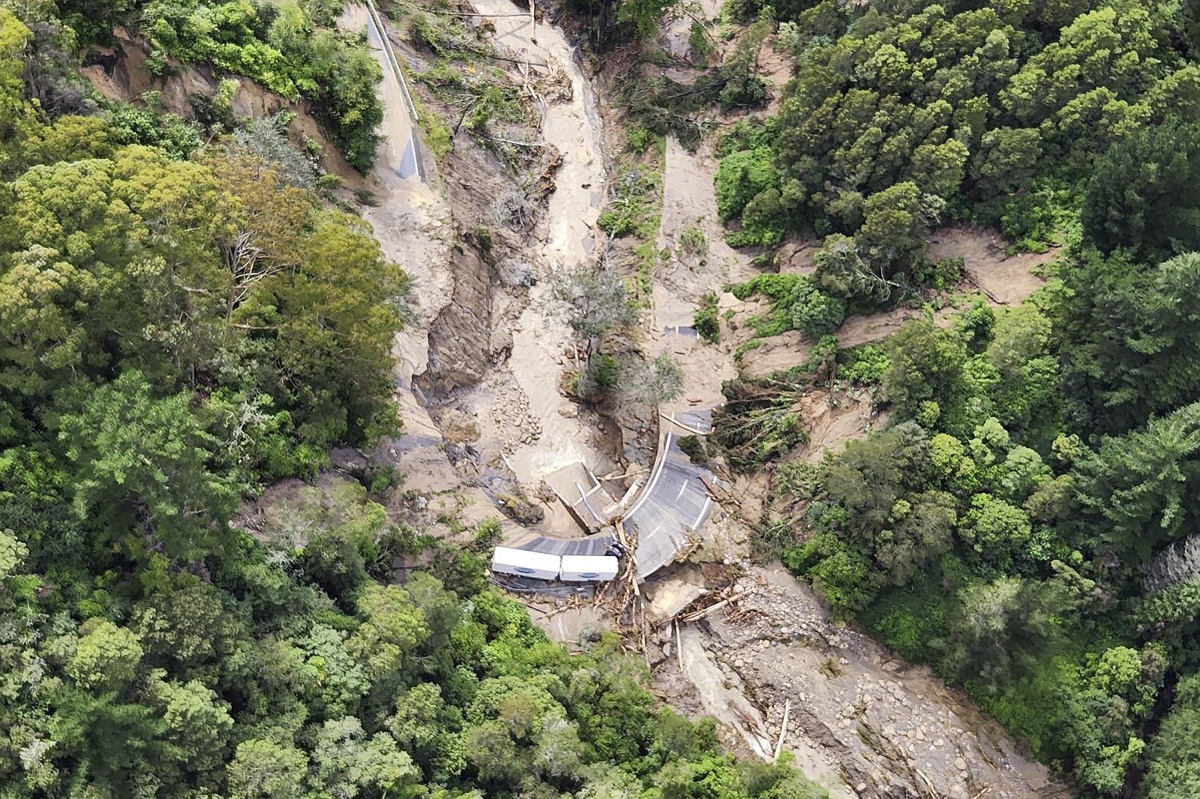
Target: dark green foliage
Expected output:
[131,125]
[253,683]
[796,304]
[1144,197]
[1101,711]
[643,15]
[741,176]
[1027,524]
[1129,330]
[986,539]
[912,114]
[602,371]
[693,447]
[181,325]
[837,570]
[610,23]
[146,463]
[708,324]
[1043,214]
[743,86]
[1174,757]
[1139,488]
[865,365]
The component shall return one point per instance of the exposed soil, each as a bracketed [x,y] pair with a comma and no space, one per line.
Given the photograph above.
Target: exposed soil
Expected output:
[874,726]
[416,228]
[835,417]
[776,354]
[1005,279]
[861,721]
[525,421]
[120,73]
[776,67]
[690,203]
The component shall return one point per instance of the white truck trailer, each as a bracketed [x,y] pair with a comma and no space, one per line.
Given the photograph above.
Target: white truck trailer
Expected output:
[588,568]
[526,563]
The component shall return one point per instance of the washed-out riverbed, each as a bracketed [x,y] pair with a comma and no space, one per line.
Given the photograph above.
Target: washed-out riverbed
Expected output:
[861,722]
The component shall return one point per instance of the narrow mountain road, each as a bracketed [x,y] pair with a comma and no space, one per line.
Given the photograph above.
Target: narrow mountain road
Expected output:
[399,155]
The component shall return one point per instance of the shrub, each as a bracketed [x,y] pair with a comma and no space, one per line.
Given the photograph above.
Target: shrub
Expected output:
[639,139]
[815,313]
[708,326]
[740,177]
[693,241]
[837,570]
[602,371]
[487,535]
[866,365]
[796,304]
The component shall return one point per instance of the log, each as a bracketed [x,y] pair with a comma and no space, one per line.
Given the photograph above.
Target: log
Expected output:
[787,707]
[696,615]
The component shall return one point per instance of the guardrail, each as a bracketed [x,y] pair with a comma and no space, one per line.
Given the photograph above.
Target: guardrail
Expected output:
[390,56]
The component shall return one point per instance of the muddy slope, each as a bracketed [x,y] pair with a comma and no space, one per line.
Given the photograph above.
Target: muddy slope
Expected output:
[119,73]
[861,721]
[525,426]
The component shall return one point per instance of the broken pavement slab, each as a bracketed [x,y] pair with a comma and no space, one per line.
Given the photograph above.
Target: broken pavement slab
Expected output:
[669,597]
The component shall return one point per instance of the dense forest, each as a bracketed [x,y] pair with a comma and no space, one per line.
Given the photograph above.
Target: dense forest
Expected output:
[184,323]
[187,318]
[1027,522]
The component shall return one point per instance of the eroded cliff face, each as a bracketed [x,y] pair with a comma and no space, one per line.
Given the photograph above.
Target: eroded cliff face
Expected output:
[120,73]
[493,263]
[462,343]
[463,339]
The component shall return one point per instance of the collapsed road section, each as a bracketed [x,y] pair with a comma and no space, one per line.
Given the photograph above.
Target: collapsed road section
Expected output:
[651,525]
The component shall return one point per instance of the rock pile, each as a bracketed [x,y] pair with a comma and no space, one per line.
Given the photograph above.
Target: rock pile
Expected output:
[518,424]
[889,729]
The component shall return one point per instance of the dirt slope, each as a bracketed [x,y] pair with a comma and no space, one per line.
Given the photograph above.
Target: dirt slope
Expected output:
[861,721]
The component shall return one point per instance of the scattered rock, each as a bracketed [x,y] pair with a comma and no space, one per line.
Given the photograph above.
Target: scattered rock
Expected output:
[516,273]
[346,459]
[458,427]
[462,454]
[519,509]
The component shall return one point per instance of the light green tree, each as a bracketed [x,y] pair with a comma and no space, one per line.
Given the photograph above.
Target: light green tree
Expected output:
[263,769]
[197,728]
[391,630]
[347,763]
[106,658]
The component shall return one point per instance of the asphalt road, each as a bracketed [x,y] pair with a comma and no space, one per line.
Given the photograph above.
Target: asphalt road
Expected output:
[401,151]
[672,505]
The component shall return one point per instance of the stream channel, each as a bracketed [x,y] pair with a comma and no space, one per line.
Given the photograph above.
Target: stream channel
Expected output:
[724,670]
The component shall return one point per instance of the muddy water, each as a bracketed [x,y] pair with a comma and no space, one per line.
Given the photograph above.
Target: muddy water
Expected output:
[539,339]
